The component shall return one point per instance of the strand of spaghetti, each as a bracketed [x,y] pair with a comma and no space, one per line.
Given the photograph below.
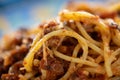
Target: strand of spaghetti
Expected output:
[44,74]
[76,50]
[106,40]
[99,70]
[50,52]
[72,64]
[115,53]
[105,33]
[37,38]
[66,15]
[95,48]
[90,59]
[116,37]
[75,60]
[43,71]
[86,35]
[68,28]
[107,61]
[29,58]
[99,59]
[44,52]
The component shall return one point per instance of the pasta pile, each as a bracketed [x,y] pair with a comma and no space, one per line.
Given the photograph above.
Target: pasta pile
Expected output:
[98,55]
[82,43]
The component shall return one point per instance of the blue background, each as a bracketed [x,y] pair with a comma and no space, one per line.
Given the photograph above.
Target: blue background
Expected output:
[24,13]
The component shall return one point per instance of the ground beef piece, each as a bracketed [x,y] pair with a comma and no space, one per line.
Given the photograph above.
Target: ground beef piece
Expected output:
[118,12]
[74,76]
[1,66]
[14,55]
[27,41]
[65,64]
[68,41]
[82,74]
[67,50]
[54,68]
[95,35]
[10,41]
[37,57]
[39,54]
[15,68]
[9,77]
[79,75]
[68,46]
[115,78]
[18,39]
[51,26]
[98,77]
[106,14]
[116,67]
[18,53]
[38,78]
[54,42]
[36,64]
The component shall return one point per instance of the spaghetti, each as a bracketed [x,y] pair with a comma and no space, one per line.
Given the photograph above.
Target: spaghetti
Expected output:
[79,44]
[85,41]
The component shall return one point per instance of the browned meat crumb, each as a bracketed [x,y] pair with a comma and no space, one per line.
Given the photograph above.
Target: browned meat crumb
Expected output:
[53,67]
[10,77]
